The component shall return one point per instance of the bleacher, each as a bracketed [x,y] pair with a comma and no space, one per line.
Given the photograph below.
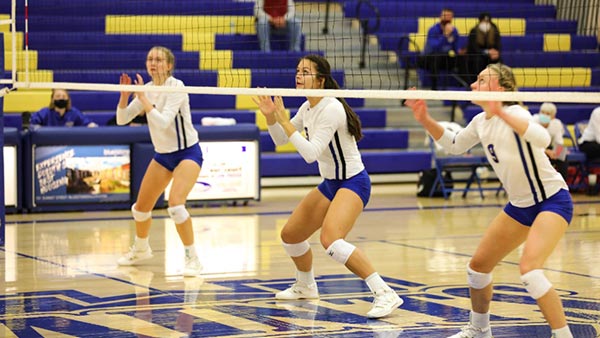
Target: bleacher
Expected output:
[216,45]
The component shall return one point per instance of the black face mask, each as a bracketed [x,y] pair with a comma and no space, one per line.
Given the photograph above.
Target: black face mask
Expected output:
[61,103]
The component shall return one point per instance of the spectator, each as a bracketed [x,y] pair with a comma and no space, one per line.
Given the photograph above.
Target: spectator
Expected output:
[278,16]
[556,150]
[483,47]
[441,47]
[589,142]
[60,113]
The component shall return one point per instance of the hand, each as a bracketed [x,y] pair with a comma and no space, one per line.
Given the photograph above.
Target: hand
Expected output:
[266,105]
[448,29]
[139,82]
[494,107]
[419,108]
[125,80]
[494,54]
[280,114]
[551,154]
[279,22]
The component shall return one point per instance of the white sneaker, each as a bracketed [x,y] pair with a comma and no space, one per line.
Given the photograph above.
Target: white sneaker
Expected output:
[299,290]
[192,267]
[384,303]
[470,331]
[134,256]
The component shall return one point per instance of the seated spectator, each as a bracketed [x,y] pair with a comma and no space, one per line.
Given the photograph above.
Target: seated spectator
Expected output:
[556,151]
[60,113]
[278,16]
[441,47]
[589,142]
[482,49]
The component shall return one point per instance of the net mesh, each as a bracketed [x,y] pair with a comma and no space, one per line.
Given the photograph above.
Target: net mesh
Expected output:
[375,47]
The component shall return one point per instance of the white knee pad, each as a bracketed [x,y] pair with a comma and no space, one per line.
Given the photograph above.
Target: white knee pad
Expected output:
[478,280]
[536,283]
[140,216]
[296,249]
[340,250]
[178,213]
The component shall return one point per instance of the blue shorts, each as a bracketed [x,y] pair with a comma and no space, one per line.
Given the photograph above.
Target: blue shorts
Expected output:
[172,160]
[359,183]
[559,203]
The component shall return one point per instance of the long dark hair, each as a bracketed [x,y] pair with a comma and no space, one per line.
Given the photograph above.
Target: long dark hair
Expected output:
[324,72]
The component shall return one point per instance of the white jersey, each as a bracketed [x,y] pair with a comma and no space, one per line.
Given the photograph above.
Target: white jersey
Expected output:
[170,122]
[327,139]
[519,161]
[592,131]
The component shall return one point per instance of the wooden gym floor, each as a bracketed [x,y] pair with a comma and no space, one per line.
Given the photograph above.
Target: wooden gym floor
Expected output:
[60,278]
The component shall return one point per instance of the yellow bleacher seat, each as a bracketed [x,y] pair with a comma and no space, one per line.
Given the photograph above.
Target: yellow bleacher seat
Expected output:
[244,102]
[216,59]
[173,24]
[33,60]
[36,76]
[261,121]
[557,42]
[553,77]
[26,100]
[238,77]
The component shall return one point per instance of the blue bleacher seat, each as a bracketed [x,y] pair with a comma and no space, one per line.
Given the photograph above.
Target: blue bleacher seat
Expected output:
[415,8]
[190,77]
[275,59]
[384,139]
[100,41]
[250,42]
[115,59]
[62,8]
[13,121]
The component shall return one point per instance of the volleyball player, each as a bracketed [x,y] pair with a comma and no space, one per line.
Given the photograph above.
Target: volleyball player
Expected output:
[539,208]
[178,156]
[332,129]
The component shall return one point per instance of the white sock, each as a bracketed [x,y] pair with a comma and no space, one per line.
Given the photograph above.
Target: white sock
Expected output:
[141,244]
[306,277]
[480,320]
[563,332]
[376,283]
[190,251]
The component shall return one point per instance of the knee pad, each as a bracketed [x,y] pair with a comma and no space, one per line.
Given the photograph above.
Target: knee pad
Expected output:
[340,250]
[536,283]
[178,213]
[140,216]
[478,280]
[297,249]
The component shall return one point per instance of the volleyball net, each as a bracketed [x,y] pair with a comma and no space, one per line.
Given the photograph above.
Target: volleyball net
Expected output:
[374,47]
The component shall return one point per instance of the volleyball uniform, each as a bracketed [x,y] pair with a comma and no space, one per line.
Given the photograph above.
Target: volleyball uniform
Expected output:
[170,122]
[327,139]
[519,161]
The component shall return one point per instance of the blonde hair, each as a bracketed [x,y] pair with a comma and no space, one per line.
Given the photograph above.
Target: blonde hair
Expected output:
[168,55]
[506,78]
[549,108]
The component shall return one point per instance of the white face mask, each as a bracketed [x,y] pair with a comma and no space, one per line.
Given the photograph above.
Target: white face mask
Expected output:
[485,26]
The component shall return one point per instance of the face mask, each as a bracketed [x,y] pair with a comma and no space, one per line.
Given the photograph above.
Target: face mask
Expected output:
[544,119]
[61,103]
[485,26]
[445,22]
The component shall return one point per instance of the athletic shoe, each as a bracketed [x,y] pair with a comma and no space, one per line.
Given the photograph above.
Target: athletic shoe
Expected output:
[470,331]
[134,256]
[384,303]
[299,290]
[192,267]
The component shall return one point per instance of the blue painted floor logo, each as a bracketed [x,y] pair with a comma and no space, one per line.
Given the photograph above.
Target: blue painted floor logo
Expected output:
[247,308]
